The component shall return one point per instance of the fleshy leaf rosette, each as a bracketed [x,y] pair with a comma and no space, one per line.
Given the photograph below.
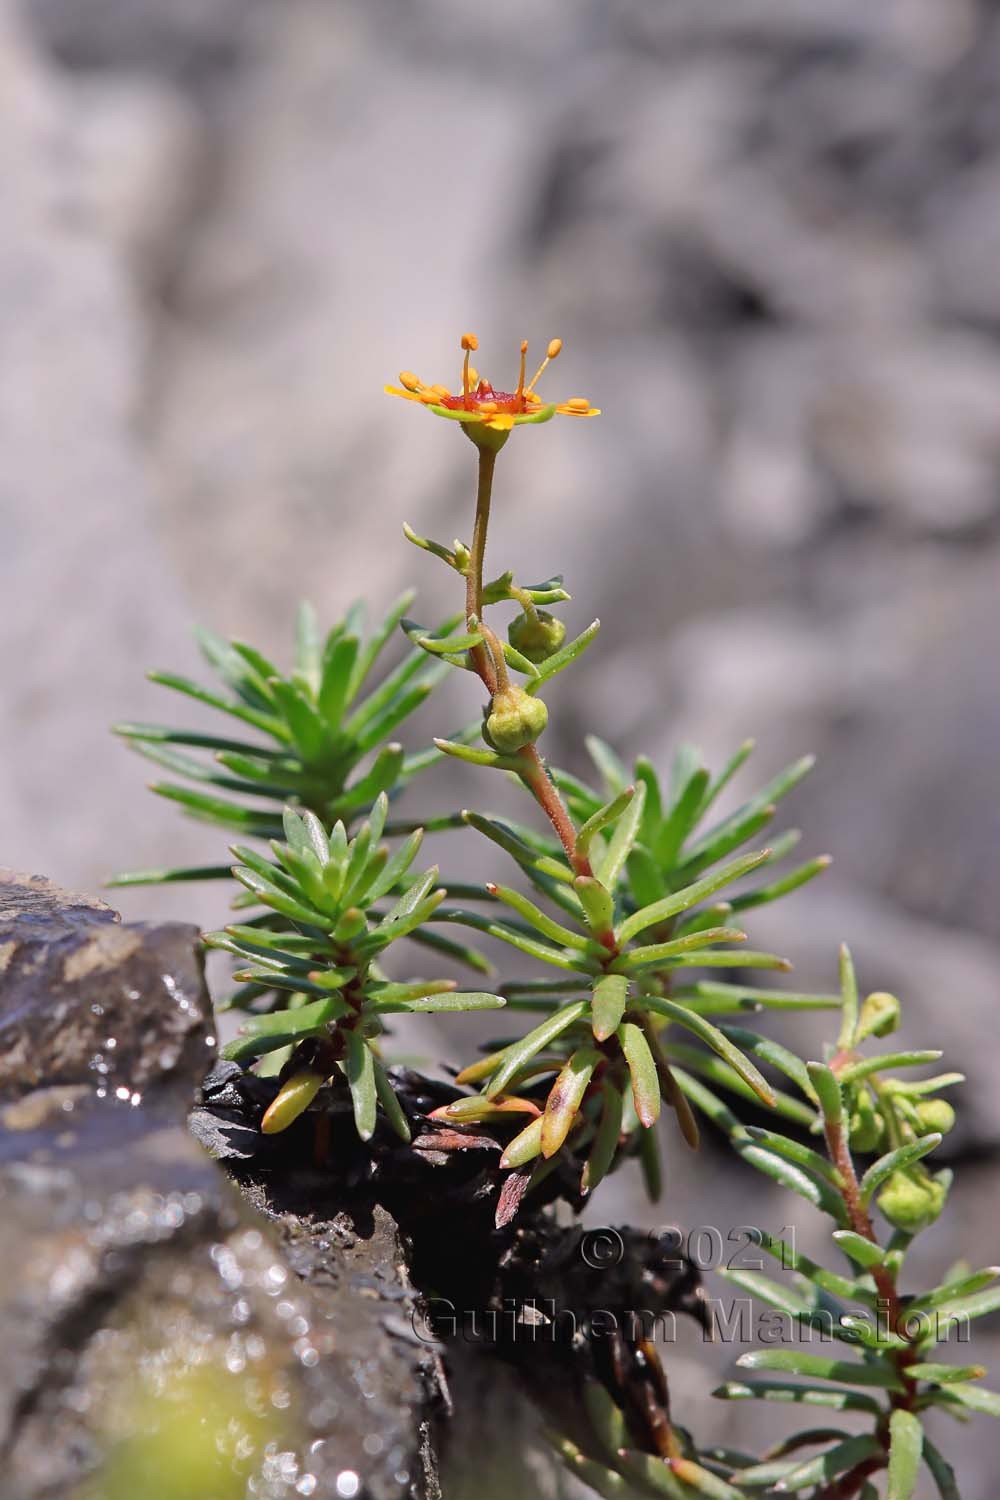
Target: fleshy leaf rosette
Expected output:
[326,894]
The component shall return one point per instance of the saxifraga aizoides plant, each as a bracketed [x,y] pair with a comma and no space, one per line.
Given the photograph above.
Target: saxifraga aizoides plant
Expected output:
[630,884]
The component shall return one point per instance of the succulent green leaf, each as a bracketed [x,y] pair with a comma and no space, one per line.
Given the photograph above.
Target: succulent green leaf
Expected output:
[682,900]
[396,868]
[359,1065]
[529,1046]
[268,722]
[904,1156]
[819,1470]
[554,931]
[450,1000]
[603,818]
[461,952]
[390,1103]
[714,1038]
[308,646]
[525,1146]
[906,1441]
[663,954]
[566,1096]
[651,1165]
[597,903]
[610,766]
[379,727]
[972,1396]
[563,657]
[821,1367]
[610,865]
[799,1394]
[168,876]
[578,961]
[606,1139]
[861,1250]
[796,878]
[475,757]
[945,1374]
[913,1059]
[941,1471]
[714,997]
[642,1071]
[774,1293]
[608,1005]
[795,1151]
[828,1091]
[681,817]
[265,1033]
[772,1052]
[604,1482]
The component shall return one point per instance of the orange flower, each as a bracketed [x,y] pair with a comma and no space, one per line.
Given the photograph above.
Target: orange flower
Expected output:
[488,415]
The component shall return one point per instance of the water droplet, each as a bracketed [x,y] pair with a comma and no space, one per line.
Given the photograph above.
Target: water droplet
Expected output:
[348,1484]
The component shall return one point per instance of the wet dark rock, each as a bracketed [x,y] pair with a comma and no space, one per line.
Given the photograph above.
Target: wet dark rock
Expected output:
[86,1000]
[150,1307]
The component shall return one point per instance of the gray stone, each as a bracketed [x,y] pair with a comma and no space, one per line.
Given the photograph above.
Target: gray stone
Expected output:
[153,1316]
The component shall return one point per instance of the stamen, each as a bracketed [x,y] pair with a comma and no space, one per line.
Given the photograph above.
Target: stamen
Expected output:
[469,342]
[408,380]
[578,403]
[519,393]
[552,352]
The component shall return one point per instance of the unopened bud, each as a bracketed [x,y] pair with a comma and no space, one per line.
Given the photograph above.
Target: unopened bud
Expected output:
[879,1015]
[867,1125]
[934,1114]
[912,1199]
[515,720]
[536,638]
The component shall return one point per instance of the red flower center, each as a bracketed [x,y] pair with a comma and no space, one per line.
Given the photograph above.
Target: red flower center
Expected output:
[506,402]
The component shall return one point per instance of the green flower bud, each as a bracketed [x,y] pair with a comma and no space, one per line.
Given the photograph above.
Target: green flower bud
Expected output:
[515,720]
[867,1125]
[934,1114]
[912,1199]
[536,638]
[879,1015]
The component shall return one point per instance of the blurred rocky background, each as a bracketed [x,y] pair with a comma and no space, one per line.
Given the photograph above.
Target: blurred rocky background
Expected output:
[769,233]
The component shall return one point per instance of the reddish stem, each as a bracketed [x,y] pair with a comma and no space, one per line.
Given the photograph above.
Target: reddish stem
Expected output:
[534,776]
[840,1155]
[540,784]
[838,1145]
